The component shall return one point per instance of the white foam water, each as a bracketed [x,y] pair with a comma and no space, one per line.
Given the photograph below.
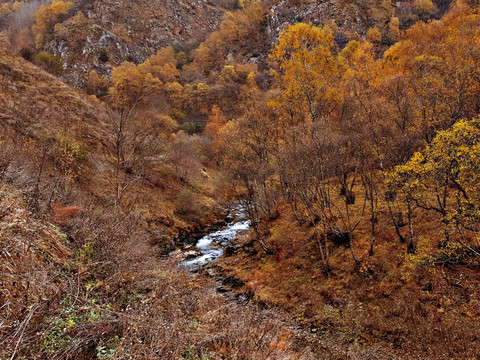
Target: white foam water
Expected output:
[211,245]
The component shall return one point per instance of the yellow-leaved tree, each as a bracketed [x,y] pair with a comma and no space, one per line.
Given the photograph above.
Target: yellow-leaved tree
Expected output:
[308,69]
[129,145]
[216,121]
[97,85]
[45,16]
[129,85]
[445,178]
[162,66]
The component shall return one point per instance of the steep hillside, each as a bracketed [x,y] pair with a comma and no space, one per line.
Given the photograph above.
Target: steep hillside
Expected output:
[32,253]
[354,16]
[346,132]
[101,34]
[49,127]
[34,101]
[79,277]
[74,262]
[116,31]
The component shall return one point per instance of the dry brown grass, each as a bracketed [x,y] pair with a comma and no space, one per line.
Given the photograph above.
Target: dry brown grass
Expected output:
[95,288]
[107,294]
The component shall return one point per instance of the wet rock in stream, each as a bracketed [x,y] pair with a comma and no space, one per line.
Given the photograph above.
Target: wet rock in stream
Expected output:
[211,246]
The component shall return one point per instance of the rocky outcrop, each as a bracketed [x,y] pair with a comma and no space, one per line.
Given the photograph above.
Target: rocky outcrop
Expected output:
[102,34]
[349,16]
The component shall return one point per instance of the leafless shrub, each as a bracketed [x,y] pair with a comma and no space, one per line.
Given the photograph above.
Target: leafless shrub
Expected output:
[185,155]
[129,150]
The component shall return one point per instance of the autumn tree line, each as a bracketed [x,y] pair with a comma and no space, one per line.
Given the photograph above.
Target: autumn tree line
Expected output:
[337,134]
[342,133]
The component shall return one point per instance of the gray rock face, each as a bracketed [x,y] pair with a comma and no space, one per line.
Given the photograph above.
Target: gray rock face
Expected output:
[118,30]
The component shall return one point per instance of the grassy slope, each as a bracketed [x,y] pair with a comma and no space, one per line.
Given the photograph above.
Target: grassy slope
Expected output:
[39,107]
[44,271]
[427,313]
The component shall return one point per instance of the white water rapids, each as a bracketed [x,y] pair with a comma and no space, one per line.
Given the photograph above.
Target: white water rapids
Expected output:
[211,245]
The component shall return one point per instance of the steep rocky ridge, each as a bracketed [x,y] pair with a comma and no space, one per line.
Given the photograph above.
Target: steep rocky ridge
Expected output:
[349,16]
[106,32]
[101,34]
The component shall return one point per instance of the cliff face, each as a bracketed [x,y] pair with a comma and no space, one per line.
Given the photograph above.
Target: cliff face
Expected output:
[351,16]
[158,22]
[102,34]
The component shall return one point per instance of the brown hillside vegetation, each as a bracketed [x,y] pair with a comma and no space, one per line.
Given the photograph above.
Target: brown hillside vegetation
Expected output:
[41,114]
[82,281]
[360,176]
[79,276]
[54,157]
[347,133]
[409,304]
[99,35]
[34,101]
[102,34]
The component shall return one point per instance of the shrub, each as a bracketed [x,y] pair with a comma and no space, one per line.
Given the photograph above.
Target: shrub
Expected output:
[423,6]
[393,30]
[27,53]
[374,35]
[187,205]
[49,62]
[103,55]
[69,158]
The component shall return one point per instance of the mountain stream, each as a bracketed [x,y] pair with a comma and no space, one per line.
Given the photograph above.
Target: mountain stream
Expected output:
[210,247]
